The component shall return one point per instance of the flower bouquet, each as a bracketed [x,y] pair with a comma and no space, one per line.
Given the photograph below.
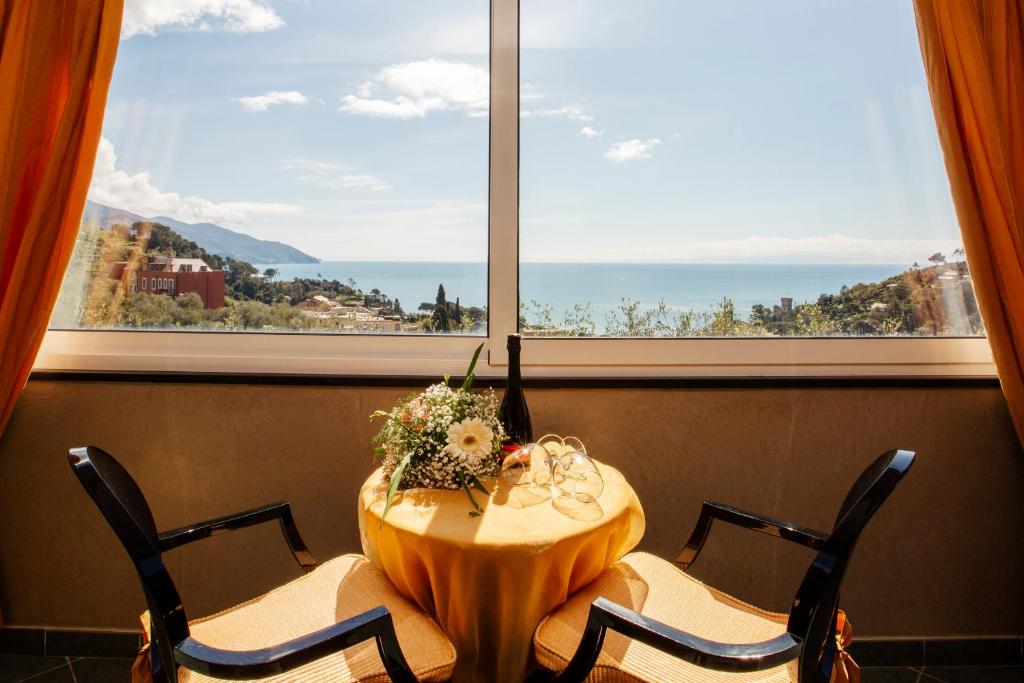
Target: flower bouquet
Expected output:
[442,438]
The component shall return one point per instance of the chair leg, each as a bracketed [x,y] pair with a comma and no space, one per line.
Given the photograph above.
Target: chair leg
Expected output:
[160,672]
[588,650]
[391,654]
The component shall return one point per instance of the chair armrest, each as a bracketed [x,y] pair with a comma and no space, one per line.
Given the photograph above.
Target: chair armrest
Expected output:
[707,654]
[280,511]
[269,661]
[711,511]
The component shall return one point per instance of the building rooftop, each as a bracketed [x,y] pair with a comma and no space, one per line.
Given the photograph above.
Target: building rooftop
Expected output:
[178,265]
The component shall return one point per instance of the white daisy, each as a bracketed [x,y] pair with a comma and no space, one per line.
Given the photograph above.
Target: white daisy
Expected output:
[470,437]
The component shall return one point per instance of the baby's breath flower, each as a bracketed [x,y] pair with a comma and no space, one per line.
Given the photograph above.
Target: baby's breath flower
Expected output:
[447,431]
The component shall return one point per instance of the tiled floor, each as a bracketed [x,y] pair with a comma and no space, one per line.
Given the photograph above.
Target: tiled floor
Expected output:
[946,674]
[17,668]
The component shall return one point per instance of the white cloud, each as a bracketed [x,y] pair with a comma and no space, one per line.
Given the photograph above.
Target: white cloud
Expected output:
[268,99]
[136,193]
[325,174]
[148,17]
[834,248]
[589,133]
[362,181]
[631,149]
[413,89]
[528,91]
[573,112]
[402,108]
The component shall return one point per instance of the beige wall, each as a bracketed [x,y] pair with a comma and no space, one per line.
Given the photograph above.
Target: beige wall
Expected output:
[944,557]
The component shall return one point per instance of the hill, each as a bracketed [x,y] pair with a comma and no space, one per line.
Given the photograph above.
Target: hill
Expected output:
[213,238]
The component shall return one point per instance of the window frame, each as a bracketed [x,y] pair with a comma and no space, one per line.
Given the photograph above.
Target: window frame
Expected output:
[281,353]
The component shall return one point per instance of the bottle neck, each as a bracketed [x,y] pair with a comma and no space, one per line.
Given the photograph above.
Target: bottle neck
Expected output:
[514,373]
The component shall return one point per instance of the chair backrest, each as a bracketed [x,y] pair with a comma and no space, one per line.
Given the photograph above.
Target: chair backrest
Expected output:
[121,501]
[812,617]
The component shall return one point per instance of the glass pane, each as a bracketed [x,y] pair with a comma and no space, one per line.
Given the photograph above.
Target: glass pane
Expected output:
[733,168]
[314,166]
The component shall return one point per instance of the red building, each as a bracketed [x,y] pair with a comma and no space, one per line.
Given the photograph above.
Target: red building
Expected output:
[172,276]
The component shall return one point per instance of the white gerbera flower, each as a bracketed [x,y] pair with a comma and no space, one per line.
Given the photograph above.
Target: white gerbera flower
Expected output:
[471,437]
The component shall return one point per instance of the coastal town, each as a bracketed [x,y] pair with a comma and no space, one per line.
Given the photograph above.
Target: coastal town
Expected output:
[145,275]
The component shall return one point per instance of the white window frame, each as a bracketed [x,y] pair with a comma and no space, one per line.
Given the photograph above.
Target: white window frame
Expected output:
[429,356]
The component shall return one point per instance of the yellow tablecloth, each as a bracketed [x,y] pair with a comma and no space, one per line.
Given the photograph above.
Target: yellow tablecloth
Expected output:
[489,580]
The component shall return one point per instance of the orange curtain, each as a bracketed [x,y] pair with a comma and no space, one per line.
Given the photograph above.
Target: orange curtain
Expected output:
[974,58]
[56,58]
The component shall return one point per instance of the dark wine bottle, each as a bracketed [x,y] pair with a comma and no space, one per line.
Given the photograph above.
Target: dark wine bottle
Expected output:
[515,416]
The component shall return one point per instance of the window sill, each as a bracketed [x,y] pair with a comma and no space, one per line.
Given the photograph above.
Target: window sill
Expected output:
[261,354]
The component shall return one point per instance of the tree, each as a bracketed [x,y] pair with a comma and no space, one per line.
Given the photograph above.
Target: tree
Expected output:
[937,258]
[579,322]
[251,315]
[630,319]
[188,310]
[811,321]
[723,321]
[457,315]
[541,316]
[396,308]
[441,320]
[270,273]
[159,239]
[761,314]
[147,310]
[237,271]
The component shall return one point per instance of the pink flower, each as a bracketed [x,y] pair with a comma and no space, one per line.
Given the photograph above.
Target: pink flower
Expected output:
[419,412]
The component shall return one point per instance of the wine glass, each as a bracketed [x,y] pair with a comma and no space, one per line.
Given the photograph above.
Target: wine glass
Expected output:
[571,443]
[577,475]
[555,447]
[531,464]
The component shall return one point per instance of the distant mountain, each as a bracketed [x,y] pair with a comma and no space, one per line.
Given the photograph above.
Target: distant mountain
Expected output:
[214,238]
[107,216]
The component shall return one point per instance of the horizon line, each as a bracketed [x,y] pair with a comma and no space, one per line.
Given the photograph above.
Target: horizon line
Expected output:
[618,263]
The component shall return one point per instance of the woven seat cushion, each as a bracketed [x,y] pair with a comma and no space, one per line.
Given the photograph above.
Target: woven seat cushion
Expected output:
[659,590]
[336,590]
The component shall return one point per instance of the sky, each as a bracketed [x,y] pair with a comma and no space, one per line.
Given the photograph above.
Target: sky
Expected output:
[797,131]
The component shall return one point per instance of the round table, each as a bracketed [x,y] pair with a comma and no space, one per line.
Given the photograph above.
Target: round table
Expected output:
[488,580]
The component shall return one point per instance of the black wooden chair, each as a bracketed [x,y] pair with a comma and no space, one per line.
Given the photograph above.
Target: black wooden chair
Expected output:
[645,619]
[322,621]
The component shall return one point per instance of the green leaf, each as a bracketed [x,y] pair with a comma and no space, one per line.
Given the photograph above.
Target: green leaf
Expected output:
[396,478]
[477,485]
[447,378]
[379,413]
[467,384]
[465,487]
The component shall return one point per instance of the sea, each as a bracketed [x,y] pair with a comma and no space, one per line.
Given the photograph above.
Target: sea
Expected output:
[682,286]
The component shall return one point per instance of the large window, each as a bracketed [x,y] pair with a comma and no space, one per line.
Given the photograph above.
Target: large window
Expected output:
[283,166]
[648,189]
[734,168]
